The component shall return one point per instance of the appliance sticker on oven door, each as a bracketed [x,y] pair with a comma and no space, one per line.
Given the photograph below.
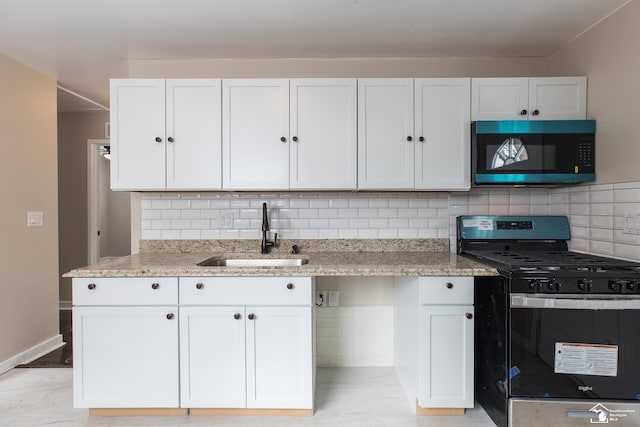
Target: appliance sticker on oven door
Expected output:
[586,359]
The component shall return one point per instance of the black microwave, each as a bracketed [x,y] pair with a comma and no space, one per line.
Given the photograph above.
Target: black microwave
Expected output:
[532,152]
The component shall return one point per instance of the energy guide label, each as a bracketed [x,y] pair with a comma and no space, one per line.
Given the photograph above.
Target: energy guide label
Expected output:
[586,359]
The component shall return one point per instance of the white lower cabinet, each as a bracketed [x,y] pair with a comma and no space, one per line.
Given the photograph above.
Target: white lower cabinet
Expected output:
[125,355]
[433,340]
[135,347]
[212,366]
[246,356]
[446,364]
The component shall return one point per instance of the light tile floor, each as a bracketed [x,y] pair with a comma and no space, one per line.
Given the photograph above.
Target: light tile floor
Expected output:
[344,397]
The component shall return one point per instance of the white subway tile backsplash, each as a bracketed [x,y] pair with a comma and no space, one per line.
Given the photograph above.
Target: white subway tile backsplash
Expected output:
[407,233]
[519,209]
[160,204]
[498,209]
[388,213]
[170,234]
[359,203]
[579,209]
[389,233]
[579,221]
[539,210]
[594,211]
[601,234]
[624,185]
[601,222]
[407,213]
[399,222]
[367,213]
[499,198]
[626,195]
[601,248]
[398,203]
[180,204]
[627,251]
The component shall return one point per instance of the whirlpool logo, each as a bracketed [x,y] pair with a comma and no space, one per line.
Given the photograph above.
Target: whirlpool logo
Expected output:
[584,388]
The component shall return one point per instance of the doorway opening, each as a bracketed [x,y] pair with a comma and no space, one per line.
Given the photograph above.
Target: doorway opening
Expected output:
[109,212]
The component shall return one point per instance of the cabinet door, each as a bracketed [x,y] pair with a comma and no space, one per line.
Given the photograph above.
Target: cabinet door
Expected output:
[194,134]
[125,357]
[558,98]
[212,357]
[385,134]
[137,134]
[443,132]
[255,134]
[323,134]
[446,361]
[500,98]
[279,357]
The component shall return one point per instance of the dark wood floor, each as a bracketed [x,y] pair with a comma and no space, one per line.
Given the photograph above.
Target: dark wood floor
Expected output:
[62,357]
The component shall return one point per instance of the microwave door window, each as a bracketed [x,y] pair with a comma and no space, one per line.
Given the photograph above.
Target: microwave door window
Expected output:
[514,153]
[511,151]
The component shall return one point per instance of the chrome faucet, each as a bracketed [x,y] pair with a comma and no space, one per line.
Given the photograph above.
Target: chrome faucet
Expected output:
[266,244]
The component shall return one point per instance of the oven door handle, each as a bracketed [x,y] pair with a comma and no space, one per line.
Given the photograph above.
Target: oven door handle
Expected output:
[630,302]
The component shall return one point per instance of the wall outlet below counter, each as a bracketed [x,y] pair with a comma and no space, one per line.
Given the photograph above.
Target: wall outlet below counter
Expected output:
[334,299]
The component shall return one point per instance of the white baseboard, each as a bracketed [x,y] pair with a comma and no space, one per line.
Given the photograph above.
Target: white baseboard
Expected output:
[65,305]
[32,353]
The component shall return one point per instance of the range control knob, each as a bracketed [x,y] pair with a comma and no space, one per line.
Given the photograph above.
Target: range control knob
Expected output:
[631,286]
[615,286]
[533,284]
[584,285]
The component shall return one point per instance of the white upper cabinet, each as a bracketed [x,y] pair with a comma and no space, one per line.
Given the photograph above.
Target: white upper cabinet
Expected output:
[165,134]
[255,134]
[323,133]
[194,134]
[413,134]
[385,134]
[138,151]
[523,98]
[558,98]
[443,133]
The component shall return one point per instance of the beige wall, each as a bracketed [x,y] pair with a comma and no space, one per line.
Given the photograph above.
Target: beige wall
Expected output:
[74,129]
[28,182]
[345,67]
[608,54]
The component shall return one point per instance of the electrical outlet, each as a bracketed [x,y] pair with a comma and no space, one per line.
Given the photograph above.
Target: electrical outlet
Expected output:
[334,299]
[631,223]
[226,219]
[321,298]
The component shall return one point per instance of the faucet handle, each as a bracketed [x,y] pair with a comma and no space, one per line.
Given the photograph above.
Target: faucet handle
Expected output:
[275,239]
[295,249]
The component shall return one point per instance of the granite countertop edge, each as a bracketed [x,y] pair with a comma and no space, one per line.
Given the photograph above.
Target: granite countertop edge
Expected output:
[347,258]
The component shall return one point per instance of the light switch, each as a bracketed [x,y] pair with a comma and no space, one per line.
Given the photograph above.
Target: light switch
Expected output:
[35,219]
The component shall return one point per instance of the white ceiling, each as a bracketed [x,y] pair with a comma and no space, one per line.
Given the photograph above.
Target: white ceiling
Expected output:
[83,43]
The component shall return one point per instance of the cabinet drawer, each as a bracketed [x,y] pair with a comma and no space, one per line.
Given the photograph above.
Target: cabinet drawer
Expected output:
[246,290]
[446,290]
[125,291]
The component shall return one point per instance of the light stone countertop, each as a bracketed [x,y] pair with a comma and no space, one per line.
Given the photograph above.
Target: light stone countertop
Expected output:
[340,257]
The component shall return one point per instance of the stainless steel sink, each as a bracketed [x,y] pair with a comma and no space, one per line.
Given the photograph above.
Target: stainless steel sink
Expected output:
[253,262]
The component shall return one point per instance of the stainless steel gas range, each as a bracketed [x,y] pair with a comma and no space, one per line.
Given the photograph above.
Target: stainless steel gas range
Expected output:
[558,333]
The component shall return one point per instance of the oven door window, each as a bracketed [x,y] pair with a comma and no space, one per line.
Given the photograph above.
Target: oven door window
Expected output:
[537,334]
